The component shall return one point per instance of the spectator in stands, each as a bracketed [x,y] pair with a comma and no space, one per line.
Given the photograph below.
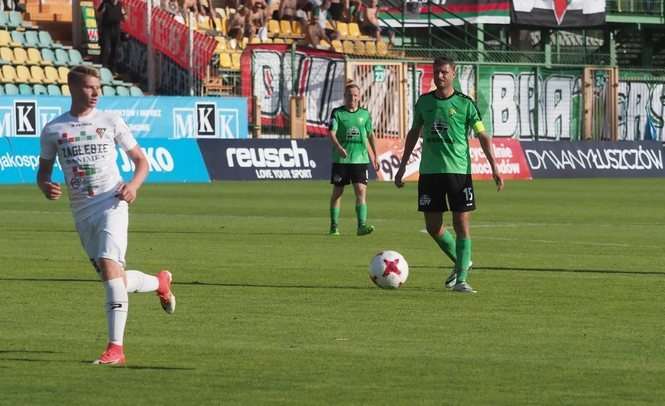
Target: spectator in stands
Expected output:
[236,27]
[111,14]
[370,22]
[257,21]
[315,30]
[336,10]
[287,10]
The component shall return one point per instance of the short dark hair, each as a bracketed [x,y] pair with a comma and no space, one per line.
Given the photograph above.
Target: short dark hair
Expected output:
[350,85]
[77,73]
[444,60]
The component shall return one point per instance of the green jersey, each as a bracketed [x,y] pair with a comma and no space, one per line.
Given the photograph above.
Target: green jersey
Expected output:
[446,123]
[351,129]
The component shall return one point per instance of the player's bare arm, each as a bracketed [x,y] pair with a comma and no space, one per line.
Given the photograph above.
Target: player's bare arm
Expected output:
[409,144]
[51,190]
[128,191]
[340,149]
[486,145]
[372,148]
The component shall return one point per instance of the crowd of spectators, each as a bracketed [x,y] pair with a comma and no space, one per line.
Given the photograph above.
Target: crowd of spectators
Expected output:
[317,19]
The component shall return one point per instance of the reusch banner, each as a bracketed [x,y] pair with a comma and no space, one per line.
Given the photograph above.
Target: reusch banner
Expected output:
[147,117]
[168,160]
[595,159]
[507,153]
[267,159]
[559,13]
[445,12]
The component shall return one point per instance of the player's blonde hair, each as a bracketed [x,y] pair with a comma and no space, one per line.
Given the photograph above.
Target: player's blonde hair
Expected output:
[77,73]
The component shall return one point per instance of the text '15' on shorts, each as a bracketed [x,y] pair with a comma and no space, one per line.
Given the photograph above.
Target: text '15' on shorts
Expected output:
[441,192]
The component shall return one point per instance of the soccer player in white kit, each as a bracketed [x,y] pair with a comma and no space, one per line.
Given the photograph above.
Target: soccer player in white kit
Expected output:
[84,141]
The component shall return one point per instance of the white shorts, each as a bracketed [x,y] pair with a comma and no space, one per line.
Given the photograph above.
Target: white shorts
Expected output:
[104,234]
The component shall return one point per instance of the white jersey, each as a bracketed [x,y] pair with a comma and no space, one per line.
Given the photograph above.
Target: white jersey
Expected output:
[86,149]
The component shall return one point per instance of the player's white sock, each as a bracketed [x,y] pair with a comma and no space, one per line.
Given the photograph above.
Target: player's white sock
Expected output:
[117,306]
[138,281]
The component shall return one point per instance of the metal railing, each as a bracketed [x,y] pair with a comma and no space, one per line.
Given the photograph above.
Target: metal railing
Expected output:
[636,7]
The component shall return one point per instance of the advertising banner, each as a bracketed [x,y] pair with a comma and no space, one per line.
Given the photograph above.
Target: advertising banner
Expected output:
[267,159]
[507,152]
[641,106]
[445,12]
[559,13]
[147,117]
[169,161]
[595,159]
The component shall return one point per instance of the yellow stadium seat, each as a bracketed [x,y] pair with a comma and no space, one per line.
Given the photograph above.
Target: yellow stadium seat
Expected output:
[62,74]
[343,29]
[51,74]
[285,27]
[381,48]
[203,23]
[235,60]
[267,40]
[37,74]
[221,44]
[6,54]
[255,40]
[354,30]
[296,28]
[337,46]
[35,57]
[348,47]
[23,74]
[220,24]
[278,41]
[20,56]
[359,48]
[370,48]
[225,61]
[5,39]
[65,90]
[9,74]
[273,28]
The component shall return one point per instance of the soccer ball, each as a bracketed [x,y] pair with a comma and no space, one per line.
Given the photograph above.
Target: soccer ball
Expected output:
[388,270]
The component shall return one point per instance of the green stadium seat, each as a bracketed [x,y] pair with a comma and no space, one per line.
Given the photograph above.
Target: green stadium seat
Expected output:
[16,21]
[108,90]
[106,76]
[121,91]
[25,89]
[18,37]
[45,40]
[4,20]
[75,57]
[2,90]
[135,91]
[31,39]
[62,57]
[48,56]
[11,89]
[53,90]
[39,90]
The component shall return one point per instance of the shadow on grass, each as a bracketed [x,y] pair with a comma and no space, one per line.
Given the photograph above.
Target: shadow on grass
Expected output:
[27,351]
[557,270]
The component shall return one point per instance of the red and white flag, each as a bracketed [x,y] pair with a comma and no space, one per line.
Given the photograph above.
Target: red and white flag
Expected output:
[559,13]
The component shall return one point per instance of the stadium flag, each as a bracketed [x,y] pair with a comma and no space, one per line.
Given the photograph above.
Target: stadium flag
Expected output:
[446,12]
[559,13]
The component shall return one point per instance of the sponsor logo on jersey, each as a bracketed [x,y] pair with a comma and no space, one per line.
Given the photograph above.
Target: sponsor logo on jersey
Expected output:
[100,132]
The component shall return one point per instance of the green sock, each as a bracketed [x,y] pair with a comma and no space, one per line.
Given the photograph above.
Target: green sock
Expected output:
[446,242]
[334,216]
[463,259]
[361,214]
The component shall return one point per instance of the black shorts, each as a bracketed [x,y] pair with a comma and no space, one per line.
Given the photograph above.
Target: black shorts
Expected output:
[343,174]
[435,190]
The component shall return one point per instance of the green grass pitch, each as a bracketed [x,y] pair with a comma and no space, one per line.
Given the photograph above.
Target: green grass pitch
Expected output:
[570,308]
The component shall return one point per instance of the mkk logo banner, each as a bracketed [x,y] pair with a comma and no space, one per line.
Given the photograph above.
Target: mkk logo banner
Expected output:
[147,117]
[595,159]
[267,159]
